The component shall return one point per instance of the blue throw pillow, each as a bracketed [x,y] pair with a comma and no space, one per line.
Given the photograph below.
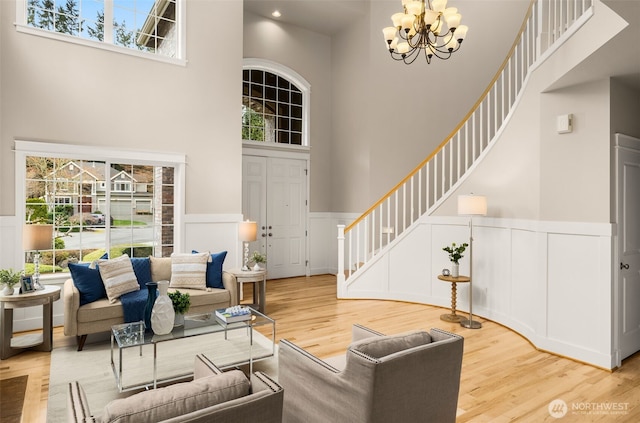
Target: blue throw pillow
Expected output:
[214,269]
[142,269]
[88,282]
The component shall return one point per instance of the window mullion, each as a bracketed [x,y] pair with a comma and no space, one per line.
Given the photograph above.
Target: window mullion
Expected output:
[108,21]
[107,202]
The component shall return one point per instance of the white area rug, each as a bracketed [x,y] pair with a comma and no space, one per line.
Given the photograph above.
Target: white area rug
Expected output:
[92,366]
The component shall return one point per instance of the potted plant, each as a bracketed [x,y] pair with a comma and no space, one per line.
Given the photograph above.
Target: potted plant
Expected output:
[455,254]
[259,260]
[8,279]
[181,303]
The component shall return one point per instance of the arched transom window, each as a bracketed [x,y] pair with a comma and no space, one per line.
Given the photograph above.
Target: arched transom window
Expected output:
[273,106]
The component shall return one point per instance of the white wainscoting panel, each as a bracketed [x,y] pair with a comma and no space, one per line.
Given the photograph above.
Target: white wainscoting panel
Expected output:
[550,281]
[214,233]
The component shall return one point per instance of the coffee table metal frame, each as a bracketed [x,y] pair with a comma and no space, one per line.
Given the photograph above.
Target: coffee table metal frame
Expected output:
[129,335]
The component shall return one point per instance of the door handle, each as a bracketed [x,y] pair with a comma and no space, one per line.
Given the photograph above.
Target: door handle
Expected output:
[270,234]
[263,234]
[623,266]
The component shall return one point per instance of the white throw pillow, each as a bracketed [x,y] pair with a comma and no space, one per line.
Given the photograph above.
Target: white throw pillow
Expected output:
[118,277]
[189,271]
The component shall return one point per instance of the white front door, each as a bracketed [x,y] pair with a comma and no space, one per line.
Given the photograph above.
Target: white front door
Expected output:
[628,220]
[275,196]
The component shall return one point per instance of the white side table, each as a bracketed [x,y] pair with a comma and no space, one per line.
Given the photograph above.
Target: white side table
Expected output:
[257,277]
[11,346]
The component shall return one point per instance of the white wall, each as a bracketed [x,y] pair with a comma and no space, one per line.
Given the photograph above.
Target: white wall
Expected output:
[54,91]
[545,280]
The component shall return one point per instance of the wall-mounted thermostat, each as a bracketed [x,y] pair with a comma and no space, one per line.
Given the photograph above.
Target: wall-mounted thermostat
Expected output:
[565,124]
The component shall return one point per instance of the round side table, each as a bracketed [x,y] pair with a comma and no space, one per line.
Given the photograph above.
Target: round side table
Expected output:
[11,345]
[257,277]
[453,317]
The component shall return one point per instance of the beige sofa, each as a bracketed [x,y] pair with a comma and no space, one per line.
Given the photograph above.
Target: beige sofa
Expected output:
[212,396]
[101,315]
[410,377]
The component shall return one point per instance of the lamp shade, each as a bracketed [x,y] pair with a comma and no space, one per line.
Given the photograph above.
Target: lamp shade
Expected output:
[472,205]
[248,231]
[37,237]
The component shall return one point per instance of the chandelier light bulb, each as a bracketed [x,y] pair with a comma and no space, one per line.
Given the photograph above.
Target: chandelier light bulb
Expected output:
[426,26]
[396,18]
[389,33]
[461,32]
[439,5]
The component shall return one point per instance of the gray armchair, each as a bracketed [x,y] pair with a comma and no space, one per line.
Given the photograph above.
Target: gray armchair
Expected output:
[410,377]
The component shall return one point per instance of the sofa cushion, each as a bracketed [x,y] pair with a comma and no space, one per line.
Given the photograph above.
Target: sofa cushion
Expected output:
[118,276]
[189,270]
[178,399]
[214,269]
[142,269]
[381,346]
[160,268]
[100,310]
[88,282]
[200,298]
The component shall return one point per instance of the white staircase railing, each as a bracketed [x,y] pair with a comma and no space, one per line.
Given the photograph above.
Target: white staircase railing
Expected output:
[430,183]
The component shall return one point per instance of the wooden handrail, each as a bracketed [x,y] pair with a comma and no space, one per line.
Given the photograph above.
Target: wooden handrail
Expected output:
[456,129]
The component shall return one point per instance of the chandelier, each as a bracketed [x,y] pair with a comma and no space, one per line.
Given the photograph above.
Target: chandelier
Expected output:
[426,25]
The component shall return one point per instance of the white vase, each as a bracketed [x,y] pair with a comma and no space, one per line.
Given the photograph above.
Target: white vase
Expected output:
[162,314]
[257,267]
[8,290]
[455,270]
[179,320]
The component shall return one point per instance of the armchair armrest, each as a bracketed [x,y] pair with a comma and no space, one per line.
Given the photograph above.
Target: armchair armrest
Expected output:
[230,284]
[71,298]
[313,387]
[203,367]
[359,332]
[77,405]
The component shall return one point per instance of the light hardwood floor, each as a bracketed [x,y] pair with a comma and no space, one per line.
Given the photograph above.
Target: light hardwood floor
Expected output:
[504,378]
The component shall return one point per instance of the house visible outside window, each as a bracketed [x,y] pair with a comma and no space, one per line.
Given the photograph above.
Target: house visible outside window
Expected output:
[272,108]
[150,26]
[137,219]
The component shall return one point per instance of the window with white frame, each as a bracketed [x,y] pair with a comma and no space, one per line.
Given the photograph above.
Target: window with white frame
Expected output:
[150,26]
[87,223]
[274,105]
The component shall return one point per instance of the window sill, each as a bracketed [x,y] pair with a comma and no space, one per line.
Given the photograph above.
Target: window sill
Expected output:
[97,44]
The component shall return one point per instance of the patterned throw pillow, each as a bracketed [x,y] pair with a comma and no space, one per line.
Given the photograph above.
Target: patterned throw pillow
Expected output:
[189,270]
[118,277]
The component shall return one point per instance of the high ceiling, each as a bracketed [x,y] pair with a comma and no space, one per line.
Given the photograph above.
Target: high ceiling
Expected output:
[330,16]
[322,16]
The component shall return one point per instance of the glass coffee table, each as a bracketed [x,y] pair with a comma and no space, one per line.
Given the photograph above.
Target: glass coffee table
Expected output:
[143,360]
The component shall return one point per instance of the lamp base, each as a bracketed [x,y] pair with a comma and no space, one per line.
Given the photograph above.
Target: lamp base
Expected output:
[470,324]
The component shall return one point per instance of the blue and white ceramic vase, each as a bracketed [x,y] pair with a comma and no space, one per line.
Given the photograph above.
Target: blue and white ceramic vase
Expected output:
[152,294]
[162,315]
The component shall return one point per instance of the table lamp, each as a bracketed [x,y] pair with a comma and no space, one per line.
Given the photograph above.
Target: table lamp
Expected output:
[36,238]
[247,232]
[471,205]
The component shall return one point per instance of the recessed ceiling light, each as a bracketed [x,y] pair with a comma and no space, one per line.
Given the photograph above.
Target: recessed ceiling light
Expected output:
[276,14]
